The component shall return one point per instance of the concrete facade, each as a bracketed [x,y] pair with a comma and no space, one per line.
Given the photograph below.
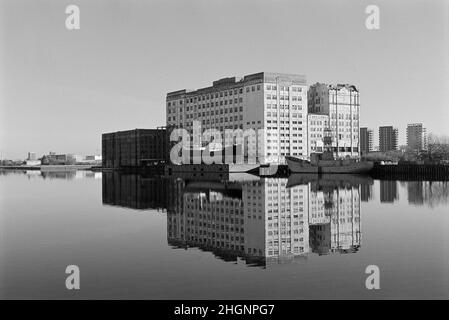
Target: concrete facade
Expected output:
[341,104]
[366,140]
[274,102]
[316,123]
[416,137]
[388,138]
[265,220]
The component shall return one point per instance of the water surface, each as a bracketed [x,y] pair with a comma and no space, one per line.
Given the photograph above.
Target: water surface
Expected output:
[139,236]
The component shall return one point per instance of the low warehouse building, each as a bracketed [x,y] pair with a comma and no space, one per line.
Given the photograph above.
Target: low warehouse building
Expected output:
[135,148]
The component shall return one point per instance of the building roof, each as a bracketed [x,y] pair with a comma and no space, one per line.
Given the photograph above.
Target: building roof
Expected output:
[233,82]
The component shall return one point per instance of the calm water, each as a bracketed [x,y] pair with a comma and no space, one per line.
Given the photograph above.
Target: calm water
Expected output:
[136,236]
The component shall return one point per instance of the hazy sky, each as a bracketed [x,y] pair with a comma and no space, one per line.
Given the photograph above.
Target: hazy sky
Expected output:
[60,89]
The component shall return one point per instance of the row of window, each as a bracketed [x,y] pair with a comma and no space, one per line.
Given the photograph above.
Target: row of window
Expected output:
[284,127]
[341,116]
[283,88]
[284,114]
[283,135]
[284,141]
[209,96]
[282,122]
[231,92]
[253,88]
[283,97]
[206,106]
[283,148]
[274,106]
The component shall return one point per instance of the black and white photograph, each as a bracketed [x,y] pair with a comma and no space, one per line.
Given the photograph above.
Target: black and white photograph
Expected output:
[224,156]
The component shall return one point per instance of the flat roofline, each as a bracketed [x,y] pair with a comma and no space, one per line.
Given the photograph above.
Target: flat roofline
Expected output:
[237,81]
[136,129]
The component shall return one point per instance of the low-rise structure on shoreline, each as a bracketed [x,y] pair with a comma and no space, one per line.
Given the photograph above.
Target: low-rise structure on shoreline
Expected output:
[135,148]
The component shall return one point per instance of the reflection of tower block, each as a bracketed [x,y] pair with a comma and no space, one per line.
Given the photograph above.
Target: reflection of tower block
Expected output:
[327,144]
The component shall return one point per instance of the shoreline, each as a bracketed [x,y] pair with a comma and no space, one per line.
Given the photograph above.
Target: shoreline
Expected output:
[48,168]
[394,172]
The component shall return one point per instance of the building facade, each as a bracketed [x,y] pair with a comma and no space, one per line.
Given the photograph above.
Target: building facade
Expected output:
[273,105]
[134,148]
[58,159]
[334,219]
[32,156]
[316,123]
[266,220]
[366,140]
[340,103]
[416,137]
[388,138]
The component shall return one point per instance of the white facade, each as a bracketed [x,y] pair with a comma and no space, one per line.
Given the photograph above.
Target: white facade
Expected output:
[334,220]
[33,162]
[268,219]
[276,218]
[273,105]
[341,104]
[316,125]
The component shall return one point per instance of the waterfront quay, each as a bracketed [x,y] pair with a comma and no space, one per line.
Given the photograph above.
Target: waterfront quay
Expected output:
[49,167]
[411,171]
[434,172]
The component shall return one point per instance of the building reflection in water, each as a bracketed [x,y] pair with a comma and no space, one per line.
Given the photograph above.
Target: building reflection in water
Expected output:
[388,191]
[334,218]
[134,191]
[366,192]
[429,193]
[255,220]
[54,174]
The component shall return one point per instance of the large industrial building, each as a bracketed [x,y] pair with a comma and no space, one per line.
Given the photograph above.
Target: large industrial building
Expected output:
[274,105]
[268,115]
[135,148]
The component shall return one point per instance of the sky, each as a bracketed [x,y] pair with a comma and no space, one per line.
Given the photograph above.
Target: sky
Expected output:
[60,89]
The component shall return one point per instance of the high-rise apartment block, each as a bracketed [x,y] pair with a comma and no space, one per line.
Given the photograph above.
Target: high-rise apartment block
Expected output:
[338,107]
[416,137]
[366,140]
[272,104]
[388,138]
